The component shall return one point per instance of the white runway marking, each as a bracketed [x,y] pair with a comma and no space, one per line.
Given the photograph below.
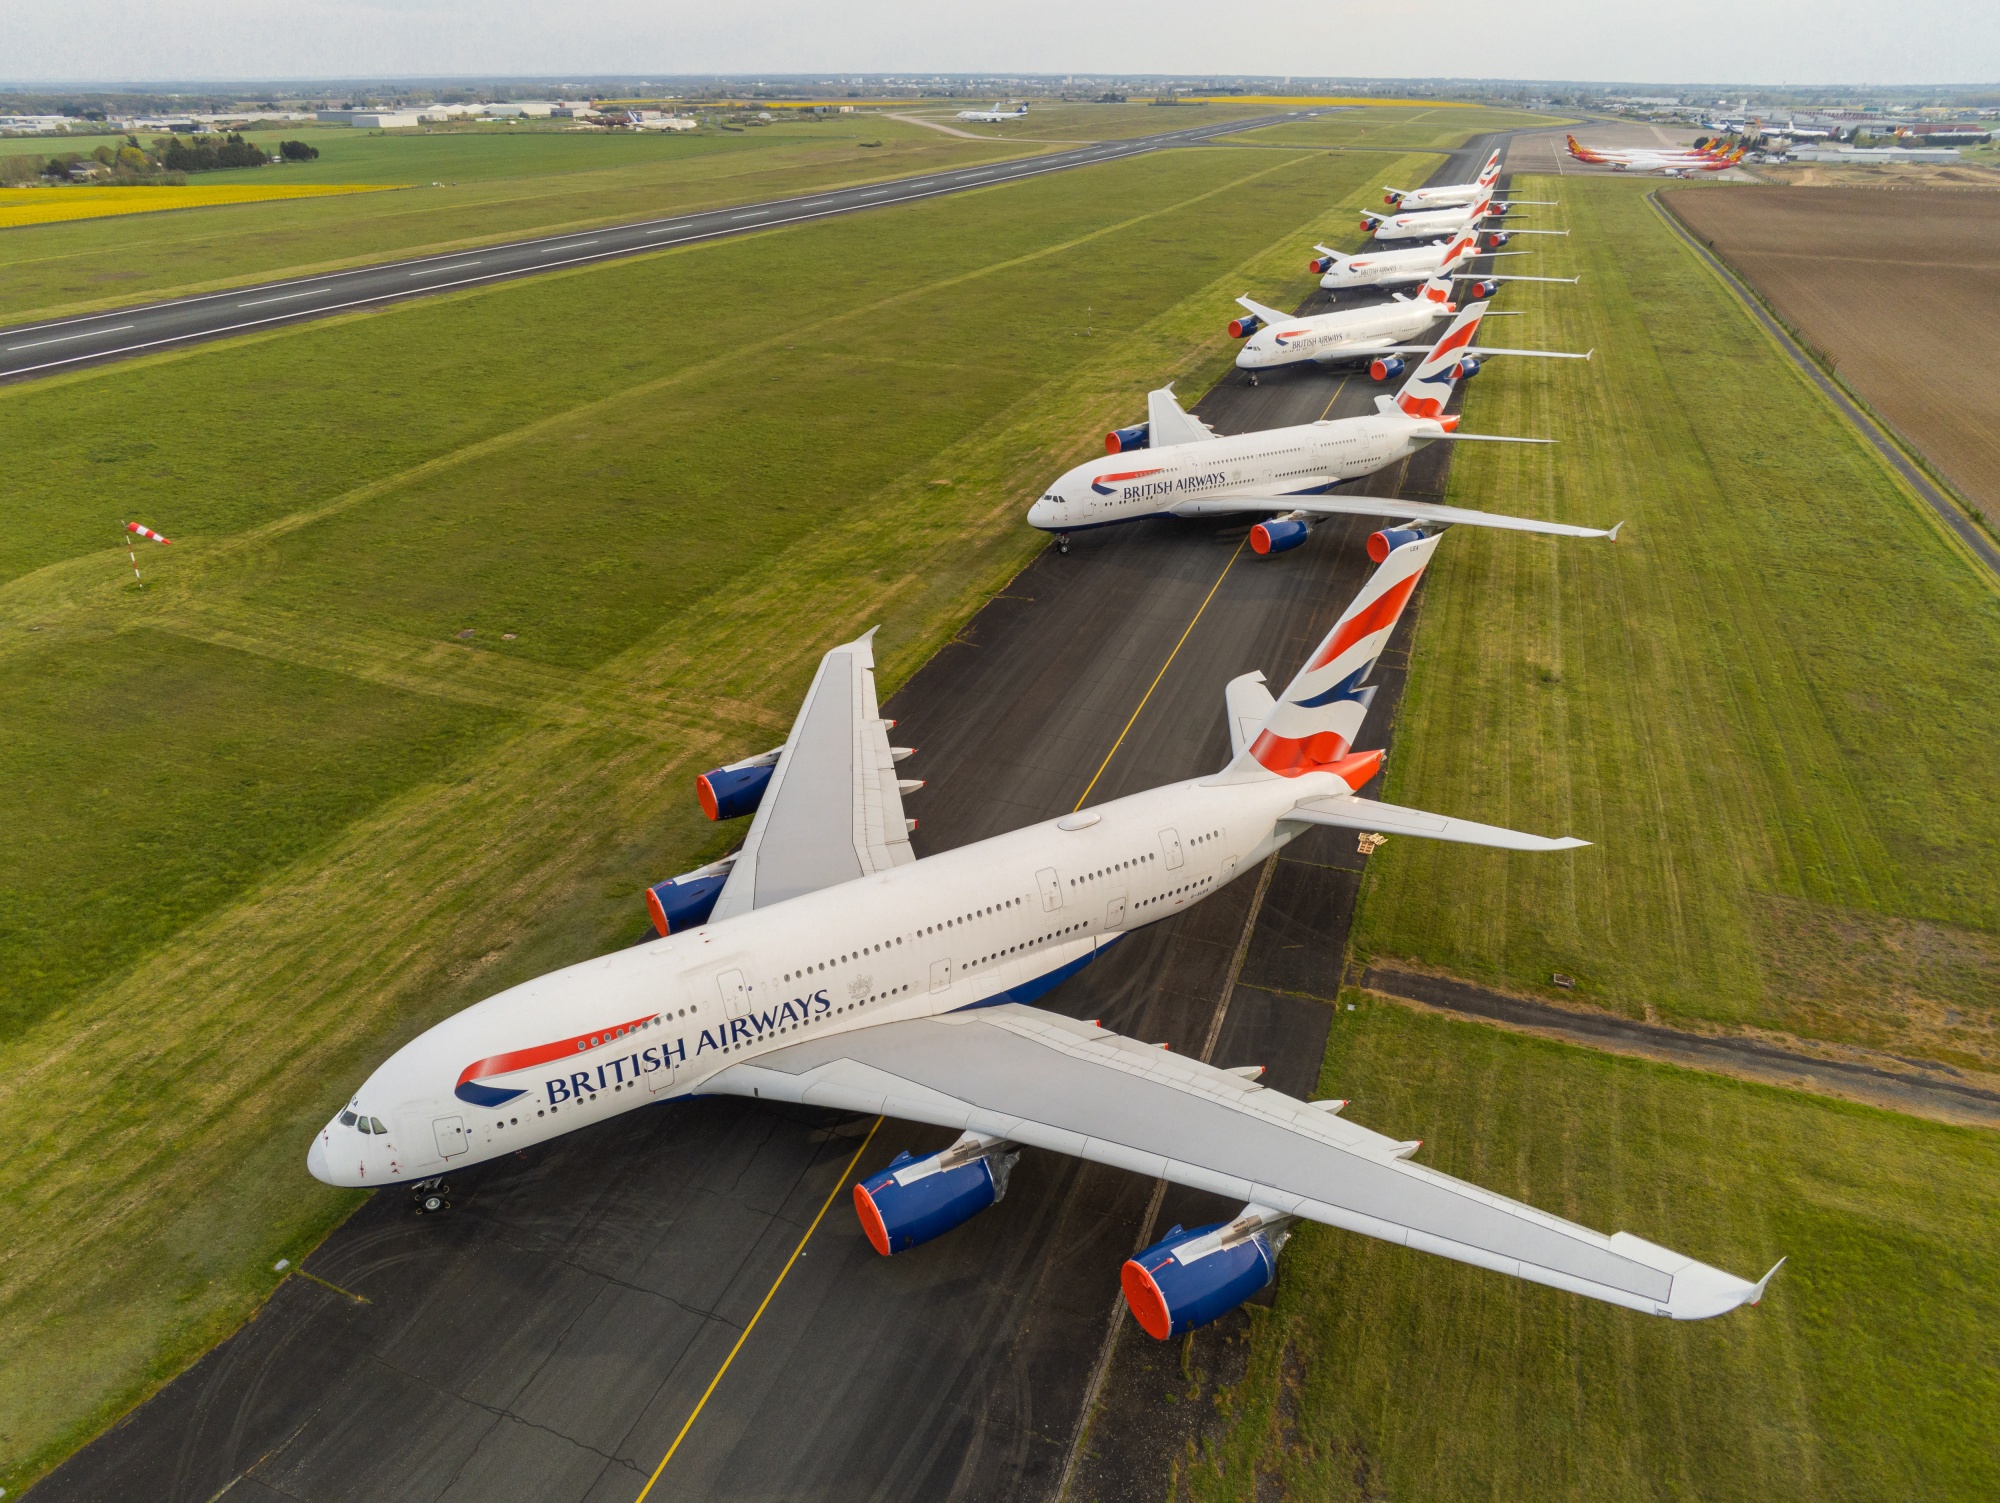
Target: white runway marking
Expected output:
[437,270]
[66,338]
[263,301]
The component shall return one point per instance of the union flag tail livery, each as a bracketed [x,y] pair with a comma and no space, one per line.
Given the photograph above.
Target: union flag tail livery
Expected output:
[1312,725]
[1431,384]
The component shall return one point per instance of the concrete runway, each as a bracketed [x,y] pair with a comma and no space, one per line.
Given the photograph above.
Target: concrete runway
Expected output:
[550,1337]
[63,344]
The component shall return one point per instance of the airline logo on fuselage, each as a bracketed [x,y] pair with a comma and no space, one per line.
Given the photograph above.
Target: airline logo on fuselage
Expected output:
[626,1068]
[1147,490]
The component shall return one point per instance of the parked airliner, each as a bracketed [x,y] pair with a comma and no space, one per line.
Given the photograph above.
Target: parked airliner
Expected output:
[994,117]
[1418,263]
[829,966]
[1448,223]
[1445,195]
[1187,471]
[1273,339]
[1702,159]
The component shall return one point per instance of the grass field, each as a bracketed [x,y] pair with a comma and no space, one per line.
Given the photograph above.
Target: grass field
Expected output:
[1870,1371]
[1433,128]
[499,186]
[25,206]
[1900,291]
[651,503]
[1770,703]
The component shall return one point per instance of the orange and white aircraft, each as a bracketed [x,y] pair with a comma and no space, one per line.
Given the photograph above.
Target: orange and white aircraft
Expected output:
[1702,159]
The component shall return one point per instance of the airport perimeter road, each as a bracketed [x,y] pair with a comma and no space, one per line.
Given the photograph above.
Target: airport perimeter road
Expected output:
[63,344]
[581,1312]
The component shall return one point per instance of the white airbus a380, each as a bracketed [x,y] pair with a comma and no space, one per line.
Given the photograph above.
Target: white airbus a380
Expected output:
[994,116]
[1445,195]
[829,966]
[1273,340]
[1186,470]
[1417,263]
[1450,223]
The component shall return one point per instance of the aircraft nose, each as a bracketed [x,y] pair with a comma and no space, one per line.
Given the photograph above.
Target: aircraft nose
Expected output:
[316,1164]
[1041,515]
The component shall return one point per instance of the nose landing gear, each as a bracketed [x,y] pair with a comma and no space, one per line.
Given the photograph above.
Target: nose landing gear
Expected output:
[1062,542]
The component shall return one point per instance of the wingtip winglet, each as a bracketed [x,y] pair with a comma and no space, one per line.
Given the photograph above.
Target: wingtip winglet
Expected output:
[1613,533]
[1757,1293]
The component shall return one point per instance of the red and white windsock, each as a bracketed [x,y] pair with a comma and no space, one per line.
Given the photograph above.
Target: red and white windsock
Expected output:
[147,532]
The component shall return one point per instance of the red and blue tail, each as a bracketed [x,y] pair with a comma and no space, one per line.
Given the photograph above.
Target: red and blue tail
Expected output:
[1431,384]
[1311,727]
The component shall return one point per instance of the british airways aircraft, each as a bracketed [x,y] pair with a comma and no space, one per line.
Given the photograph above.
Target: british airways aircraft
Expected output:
[1187,471]
[1273,339]
[1445,195]
[994,116]
[1417,263]
[827,965]
[1423,224]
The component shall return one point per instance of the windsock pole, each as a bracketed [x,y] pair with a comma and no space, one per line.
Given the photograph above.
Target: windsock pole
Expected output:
[132,552]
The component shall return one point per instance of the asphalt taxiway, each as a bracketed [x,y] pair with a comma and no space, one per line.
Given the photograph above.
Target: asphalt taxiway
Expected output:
[580,1314]
[64,344]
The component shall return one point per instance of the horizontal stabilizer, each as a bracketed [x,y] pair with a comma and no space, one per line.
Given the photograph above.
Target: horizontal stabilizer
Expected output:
[1269,315]
[1248,705]
[1169,423]
[1389,819]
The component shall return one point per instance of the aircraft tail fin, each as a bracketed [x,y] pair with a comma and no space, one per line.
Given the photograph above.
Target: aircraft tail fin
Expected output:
[1431,384]
[1437,291]
[1312,725]
[1490,173]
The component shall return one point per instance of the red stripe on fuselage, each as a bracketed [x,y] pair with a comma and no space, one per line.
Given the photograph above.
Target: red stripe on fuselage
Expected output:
[541,1054]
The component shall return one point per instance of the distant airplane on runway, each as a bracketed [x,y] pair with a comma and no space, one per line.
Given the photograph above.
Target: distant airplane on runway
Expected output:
[1187,471]
[994,117]
[1273,339]
[829,966]
[1397,268]
[1703,159]
[1446,195]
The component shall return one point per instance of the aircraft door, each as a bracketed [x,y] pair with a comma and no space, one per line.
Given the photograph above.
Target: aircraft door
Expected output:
[1051,886]
[735,995]
[940,974]
[1114,912]
[450,1132]
[1170,847]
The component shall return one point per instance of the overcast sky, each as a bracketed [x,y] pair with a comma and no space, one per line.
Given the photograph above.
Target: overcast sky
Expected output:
[1778,41]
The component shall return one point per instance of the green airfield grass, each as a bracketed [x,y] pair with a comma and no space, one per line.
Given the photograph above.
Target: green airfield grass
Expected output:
[557,182]
[654,503]
[1870,1371]
[1376,128]
[1770,703]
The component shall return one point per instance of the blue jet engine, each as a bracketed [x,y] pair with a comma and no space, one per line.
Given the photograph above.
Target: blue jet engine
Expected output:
[1189,1278]
[1385,368]
[1125,440]
[1279,535]
[916,1199]
[726,792]
[686,901]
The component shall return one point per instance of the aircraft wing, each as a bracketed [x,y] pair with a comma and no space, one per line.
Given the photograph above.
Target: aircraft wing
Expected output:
[1482,351]
[1384,819]
[832,810]
[1168,423]
[1036,1078]
[1385,506]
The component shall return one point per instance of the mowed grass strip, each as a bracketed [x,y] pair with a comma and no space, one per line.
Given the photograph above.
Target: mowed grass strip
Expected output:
[158,1116]
[1867,1372]
[1769,703]
[570,184]
[25,206]
[1426,127]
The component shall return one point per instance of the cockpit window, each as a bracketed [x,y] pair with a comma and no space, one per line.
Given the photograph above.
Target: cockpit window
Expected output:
[362,1123]
[376,1123]
[348,1119]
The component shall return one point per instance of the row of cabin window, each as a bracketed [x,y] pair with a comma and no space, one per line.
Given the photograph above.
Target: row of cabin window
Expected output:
[891,944]
[1118,866]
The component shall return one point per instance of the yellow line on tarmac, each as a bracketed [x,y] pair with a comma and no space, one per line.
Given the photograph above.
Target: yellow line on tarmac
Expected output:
[709,1391]
[1163,671]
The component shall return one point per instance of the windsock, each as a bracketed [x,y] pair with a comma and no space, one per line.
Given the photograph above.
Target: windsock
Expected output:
[147,532]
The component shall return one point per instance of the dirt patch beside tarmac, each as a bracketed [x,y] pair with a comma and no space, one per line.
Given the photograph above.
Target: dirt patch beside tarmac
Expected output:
[1899,289]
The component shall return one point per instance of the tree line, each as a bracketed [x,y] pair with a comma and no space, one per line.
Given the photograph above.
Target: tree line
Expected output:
[168,160]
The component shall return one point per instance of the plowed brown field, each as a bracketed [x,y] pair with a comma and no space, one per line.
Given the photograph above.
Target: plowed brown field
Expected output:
[1900,288]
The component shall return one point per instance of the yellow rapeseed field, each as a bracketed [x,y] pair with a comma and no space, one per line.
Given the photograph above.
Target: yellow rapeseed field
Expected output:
[20,206]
